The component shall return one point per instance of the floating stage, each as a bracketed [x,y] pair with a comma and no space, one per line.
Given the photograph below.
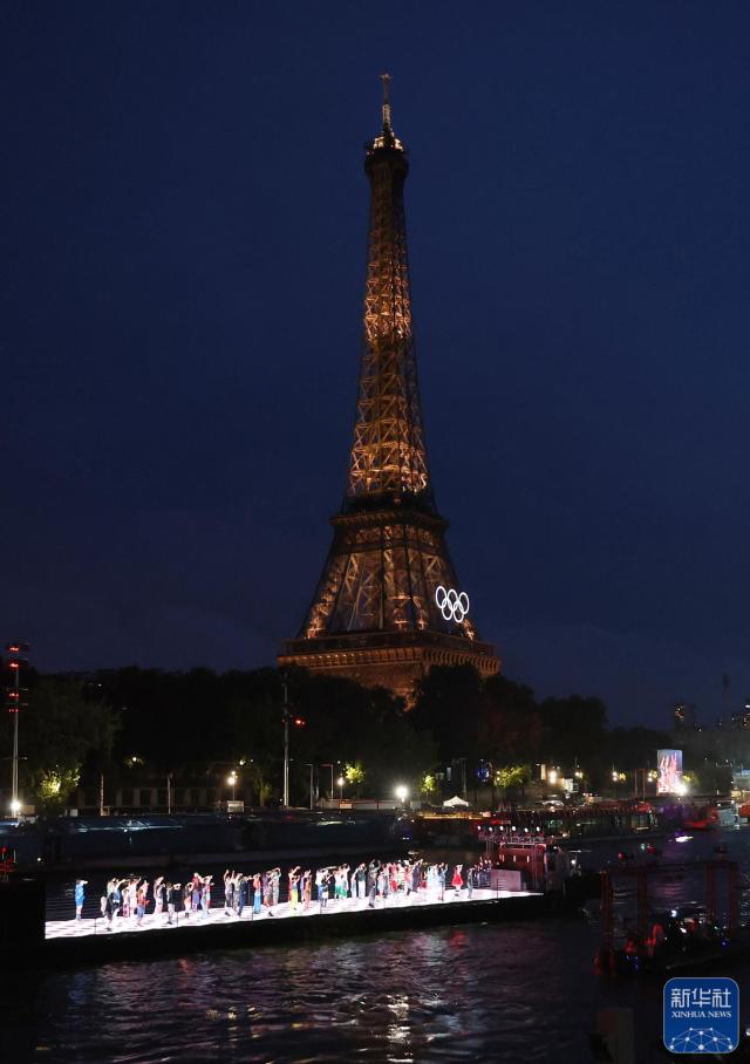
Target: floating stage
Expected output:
[73,942]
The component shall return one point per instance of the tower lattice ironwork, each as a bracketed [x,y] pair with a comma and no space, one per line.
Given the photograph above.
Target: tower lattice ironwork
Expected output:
[378,613]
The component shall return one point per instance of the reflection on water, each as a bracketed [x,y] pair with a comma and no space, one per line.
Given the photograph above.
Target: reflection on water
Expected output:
[506,993]
[478,993]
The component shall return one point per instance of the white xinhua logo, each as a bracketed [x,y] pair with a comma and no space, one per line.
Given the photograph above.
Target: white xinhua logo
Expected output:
[452,605]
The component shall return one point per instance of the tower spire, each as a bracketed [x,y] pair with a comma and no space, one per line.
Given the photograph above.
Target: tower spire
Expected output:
[386,79]
[389,456]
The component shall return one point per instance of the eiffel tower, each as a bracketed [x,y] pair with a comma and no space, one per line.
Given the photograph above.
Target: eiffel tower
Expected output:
[388,604]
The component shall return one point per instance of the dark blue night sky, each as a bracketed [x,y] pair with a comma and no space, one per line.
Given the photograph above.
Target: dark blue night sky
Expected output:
[184,219]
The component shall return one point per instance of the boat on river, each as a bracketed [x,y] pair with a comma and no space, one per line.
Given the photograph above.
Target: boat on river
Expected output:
[684,938]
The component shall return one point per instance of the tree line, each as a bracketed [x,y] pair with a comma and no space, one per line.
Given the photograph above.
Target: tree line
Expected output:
[137,724]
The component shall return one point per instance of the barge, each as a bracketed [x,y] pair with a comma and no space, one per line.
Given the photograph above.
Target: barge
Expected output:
[68,945]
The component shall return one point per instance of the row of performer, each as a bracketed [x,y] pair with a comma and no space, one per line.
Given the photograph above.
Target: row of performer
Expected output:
[132,897]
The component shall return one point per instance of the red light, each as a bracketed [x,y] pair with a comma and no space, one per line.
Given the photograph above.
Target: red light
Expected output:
[13,665]
[300,722]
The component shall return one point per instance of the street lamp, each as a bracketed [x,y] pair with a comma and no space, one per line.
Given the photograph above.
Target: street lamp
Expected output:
[462,762]
[311,766]
[285,716]
[329,764]
[232,781]
[402,793]
[340,782]
[14,703]
[618,778]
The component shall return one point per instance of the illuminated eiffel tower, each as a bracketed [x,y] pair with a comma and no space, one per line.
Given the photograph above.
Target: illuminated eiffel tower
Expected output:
[388,605]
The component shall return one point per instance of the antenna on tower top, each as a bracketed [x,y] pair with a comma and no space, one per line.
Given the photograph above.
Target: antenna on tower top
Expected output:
[386,79]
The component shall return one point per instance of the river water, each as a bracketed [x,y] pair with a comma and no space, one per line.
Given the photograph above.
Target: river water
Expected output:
[497,992]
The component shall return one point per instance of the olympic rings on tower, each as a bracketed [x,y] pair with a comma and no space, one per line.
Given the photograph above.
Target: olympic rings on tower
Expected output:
[452,605]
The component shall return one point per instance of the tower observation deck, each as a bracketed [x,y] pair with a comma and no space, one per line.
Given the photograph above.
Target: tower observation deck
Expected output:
[388,604]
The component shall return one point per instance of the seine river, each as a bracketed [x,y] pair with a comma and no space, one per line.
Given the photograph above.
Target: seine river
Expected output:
[506,993]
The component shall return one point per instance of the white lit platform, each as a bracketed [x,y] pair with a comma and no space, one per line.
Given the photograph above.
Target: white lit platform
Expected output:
[281,913]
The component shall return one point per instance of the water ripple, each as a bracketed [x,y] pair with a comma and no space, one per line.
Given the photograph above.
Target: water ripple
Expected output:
[498,992]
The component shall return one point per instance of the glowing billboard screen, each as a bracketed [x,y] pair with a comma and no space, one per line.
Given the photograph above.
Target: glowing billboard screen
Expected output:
[669,780]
